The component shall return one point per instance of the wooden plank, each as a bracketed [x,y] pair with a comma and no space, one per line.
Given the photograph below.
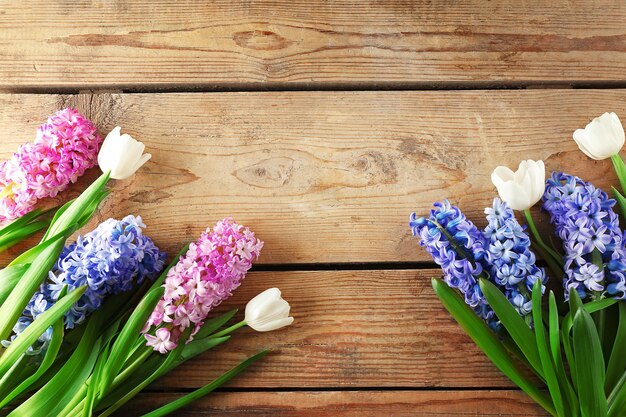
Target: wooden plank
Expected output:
[323,176]
[303,43]
[352,329]
[350,404]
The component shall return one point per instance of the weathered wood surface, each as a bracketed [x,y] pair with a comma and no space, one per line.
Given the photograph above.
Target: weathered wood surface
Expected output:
[352,329]
[240,44]
[324,176]
[353,404]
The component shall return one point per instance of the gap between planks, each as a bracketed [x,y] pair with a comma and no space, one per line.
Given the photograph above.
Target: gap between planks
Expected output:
[294,87]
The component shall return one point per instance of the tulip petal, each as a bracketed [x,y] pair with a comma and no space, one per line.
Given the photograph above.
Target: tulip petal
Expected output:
[537,176]
[268,311]
[523,188]
[121,155]
[617,130]
[602,138]
[503,173]
[274,325]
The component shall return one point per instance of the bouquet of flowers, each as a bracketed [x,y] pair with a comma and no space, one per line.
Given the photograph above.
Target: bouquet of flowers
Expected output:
[563,347]
[85,326]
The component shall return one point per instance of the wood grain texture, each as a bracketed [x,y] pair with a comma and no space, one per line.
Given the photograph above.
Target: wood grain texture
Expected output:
[352,329]
[323,176]
[350,404]
[241,44]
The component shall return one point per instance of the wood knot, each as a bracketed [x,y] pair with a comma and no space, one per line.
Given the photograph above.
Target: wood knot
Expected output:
[261,40]
[268,173]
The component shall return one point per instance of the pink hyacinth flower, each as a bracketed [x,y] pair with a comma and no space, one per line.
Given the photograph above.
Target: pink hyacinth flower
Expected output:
[161,341]
[64,148]
[206,275]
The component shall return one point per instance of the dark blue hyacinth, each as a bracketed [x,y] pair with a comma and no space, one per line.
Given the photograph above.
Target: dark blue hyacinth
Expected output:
[512,263]
[113,258]
[594,244]
[501,254]
[456,245]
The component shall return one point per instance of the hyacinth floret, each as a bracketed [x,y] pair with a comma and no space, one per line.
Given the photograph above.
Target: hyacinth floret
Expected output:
[594,244]
[207,274]
[459,247]
[115,257]
[512,263]
[64,148]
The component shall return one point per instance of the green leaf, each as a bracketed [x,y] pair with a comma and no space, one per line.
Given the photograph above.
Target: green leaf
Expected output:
[76,210]
[198,346]
[7,379]
[62,387]
[191,350]
[125,341]
[212,325]
[589,366]
[488,343]
[543,348]
[51,354]
[23,227]
[20,222]
[11,239]
[80,398]
[201,392]
[514,324]
[56,216]
[620,170]
[37,328]
[621,201]
[555,349]
[553,324]
[171,357]
[92,385]
[9,277]
[617,399]
[134,373]
[617,360]
[575,302]
[576,305]
[21,294]
[29,256]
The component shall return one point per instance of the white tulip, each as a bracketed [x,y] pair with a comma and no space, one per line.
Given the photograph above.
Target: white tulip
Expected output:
[602,138]
[268,311]
[523,188]
[121,154]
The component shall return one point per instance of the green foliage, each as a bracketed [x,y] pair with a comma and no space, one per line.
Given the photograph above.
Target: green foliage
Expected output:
[567,352]
[487,341]
[201,392]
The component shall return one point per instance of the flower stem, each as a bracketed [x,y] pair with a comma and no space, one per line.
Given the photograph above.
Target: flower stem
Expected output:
[229,330]
[599,317]
[128,371]
[552,258]
[620,170]
[78,407]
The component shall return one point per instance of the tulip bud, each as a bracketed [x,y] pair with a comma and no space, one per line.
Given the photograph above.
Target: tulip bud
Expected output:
[523,188]
[268,311]
[121,155]
[602,138]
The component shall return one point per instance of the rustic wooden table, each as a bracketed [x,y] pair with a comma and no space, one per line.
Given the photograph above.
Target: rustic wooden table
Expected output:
[322,125]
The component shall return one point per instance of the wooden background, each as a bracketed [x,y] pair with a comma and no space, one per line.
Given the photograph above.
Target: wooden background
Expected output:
[322,125]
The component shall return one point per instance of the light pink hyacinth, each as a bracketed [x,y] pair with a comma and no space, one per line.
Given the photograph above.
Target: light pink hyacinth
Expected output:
[64,148]
[210,271]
